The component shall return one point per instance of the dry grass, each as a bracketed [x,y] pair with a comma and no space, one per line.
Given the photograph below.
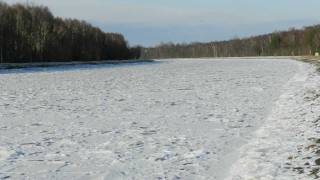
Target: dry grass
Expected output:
[310,59]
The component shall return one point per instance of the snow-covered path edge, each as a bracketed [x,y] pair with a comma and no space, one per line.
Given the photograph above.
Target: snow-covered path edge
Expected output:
[287,145]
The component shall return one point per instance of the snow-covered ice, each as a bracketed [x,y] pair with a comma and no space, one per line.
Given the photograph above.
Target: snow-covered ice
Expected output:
[172,119]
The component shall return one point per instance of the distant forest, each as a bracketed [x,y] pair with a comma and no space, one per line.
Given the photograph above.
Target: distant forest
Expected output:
[293,42]
[32,34]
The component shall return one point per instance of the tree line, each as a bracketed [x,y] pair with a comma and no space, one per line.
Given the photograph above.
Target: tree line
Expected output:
[293,42]
[31,33]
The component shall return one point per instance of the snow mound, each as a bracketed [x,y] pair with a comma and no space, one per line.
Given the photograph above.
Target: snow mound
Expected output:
[4,154]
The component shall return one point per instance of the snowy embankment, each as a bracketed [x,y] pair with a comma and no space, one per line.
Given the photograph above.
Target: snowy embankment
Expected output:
[287,146]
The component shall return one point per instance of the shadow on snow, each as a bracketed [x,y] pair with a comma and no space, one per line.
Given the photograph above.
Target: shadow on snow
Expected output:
[72,67]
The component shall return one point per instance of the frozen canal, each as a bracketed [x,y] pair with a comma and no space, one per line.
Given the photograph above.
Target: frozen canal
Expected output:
[175,119]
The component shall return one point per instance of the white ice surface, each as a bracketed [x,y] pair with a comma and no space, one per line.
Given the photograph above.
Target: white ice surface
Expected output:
[174,119]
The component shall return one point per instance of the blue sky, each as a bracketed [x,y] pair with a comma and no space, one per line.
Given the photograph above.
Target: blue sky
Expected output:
[150,22]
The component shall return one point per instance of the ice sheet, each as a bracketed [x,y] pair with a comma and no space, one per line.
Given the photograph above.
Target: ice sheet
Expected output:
[175,119]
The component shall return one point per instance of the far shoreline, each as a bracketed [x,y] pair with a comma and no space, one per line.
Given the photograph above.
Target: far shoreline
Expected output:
[307,59]
[70,63]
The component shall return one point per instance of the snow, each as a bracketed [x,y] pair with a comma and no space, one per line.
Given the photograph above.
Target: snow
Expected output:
[172,119]
[281,146]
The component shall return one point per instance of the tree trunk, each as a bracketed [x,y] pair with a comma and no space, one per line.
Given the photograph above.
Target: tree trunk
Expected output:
[1,56]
